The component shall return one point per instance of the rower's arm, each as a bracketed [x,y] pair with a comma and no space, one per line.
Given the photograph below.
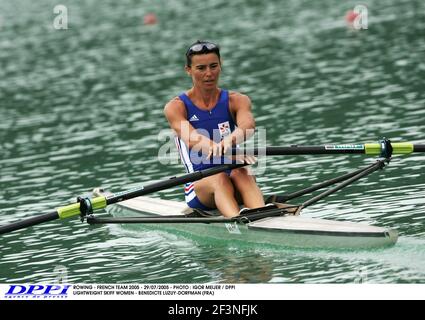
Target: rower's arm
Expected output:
[240,106]
[175,112]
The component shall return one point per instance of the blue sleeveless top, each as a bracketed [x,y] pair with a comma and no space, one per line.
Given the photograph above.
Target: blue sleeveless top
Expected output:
[214,124]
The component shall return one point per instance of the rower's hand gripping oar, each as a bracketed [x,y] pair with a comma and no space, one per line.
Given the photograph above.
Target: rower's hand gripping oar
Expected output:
[86,206]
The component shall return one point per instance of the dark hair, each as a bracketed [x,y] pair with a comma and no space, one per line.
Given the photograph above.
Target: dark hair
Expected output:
[201,47]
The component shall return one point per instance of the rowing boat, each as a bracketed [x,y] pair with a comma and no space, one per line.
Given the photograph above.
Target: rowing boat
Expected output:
[278,223]
[287,230]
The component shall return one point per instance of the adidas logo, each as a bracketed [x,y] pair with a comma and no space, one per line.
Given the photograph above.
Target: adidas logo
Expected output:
[194,118]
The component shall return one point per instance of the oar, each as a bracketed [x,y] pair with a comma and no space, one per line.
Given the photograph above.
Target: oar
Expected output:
[87,206]
[384,148]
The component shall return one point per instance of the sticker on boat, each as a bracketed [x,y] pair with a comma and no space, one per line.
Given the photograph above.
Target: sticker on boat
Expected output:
[344,147]
[232,228]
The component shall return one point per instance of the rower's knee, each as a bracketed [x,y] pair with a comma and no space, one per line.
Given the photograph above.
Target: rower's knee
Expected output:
[223,180]
[241,174]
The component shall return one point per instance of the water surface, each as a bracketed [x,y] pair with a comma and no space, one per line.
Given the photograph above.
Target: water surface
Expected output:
[82,108]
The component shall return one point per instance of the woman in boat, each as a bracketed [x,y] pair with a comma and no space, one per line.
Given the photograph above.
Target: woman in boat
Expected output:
[208,122]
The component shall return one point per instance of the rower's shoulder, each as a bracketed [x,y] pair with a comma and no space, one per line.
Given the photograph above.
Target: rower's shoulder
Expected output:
[236,98]
[175,105]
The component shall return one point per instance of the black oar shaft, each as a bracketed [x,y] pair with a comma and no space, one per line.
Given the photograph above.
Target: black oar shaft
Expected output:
[305,150]
[366,148]
[29,222]
[172,182]
[419,148]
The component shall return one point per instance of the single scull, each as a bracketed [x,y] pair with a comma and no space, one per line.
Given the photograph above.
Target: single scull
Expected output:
[275,224]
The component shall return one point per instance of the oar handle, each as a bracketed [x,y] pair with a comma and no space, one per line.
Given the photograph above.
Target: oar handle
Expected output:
[29,222]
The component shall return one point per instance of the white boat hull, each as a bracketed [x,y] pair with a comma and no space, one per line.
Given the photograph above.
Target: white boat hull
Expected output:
[288,231]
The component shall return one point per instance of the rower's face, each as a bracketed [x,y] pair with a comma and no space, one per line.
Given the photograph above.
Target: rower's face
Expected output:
[205,70]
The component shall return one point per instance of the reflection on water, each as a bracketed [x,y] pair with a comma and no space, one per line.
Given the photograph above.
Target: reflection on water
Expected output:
[82,108]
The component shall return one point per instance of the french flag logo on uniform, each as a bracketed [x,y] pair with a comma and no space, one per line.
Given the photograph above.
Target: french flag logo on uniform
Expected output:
[224,128]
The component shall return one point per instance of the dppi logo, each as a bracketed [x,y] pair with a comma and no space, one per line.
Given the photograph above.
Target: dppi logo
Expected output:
[37,291]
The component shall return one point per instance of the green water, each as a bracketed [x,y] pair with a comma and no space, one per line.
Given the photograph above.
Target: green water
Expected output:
[82,108]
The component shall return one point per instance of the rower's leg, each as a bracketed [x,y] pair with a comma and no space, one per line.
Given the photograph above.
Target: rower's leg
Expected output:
[217,191]
[247,187]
